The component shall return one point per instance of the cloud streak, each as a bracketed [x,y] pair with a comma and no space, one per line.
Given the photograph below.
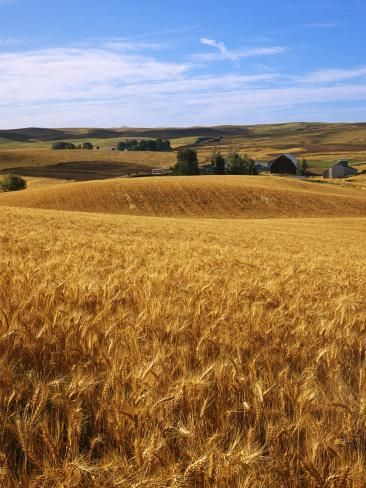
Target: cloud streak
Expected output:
[323,25]
[235,55]
[109,85]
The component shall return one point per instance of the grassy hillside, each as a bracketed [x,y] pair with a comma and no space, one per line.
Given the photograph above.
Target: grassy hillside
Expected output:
[210,196]
[139,351]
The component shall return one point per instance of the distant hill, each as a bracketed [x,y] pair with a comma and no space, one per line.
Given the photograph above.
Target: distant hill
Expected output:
[320,143]
[41,134]
[250,131]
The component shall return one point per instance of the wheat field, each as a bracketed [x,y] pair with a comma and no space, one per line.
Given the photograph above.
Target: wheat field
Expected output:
[191,196]
[166,352]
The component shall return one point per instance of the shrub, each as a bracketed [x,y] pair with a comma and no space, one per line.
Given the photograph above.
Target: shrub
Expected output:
[87,145]
[12,183]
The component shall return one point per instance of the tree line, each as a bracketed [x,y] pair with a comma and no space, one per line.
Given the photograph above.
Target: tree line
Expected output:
[233,164]
[59,145]
[153,145]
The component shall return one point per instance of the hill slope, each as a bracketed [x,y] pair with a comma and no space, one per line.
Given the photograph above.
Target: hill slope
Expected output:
[231,196]
[319,143]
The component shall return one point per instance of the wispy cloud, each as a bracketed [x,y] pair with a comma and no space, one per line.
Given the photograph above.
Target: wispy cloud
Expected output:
[323,25]
[333,75]
[235,54]
[126,85]
[11,41]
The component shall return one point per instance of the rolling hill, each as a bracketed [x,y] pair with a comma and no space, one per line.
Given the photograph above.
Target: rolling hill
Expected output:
[210,196]
[321,144]
[34,134]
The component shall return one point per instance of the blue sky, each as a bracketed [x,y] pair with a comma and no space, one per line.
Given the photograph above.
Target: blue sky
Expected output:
[73,63]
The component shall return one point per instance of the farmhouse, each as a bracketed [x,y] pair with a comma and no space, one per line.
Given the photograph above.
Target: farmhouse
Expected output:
[261,167]
[285,163]
[207,169]
[340,170]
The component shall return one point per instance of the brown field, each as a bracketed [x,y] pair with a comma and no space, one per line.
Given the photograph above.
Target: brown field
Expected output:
[80,165]
[160,352]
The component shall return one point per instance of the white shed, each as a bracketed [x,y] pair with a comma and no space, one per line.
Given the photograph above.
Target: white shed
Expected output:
[340,170]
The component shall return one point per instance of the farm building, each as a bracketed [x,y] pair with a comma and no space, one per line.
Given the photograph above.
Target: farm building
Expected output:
[285,163]
[160,172]
[261,167]
[207,169]
[340,170]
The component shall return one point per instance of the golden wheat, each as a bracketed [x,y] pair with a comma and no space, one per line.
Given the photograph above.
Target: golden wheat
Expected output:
[150,352]
[204,196]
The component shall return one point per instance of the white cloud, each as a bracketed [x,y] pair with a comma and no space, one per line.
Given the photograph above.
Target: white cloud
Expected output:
[115,86]
[235,55]
[333,75]
[81,73]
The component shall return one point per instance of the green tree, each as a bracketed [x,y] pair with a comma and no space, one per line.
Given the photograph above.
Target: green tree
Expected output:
[121,146]
[252,170]
[153,145]
[87,145]
[12,183]
[187,162]
[235,164]
[303,168]
[218,162]
[59,145]
[241,165]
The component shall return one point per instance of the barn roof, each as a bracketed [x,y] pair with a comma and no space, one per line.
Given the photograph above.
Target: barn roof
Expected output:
[343,162]
[291,157]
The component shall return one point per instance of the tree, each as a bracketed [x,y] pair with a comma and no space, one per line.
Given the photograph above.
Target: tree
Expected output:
[252,170]
[241,165]
[218,162]
[187,162]
[121,146]
[235,164]
[13,183]
[59,145]
[303,168]
[153,145]
[87,145]
[163,145]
